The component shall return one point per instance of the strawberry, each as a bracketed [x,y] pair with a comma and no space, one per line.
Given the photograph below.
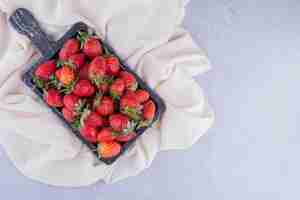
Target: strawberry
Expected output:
[69,115]
[69,48]
[89,133]
[84,88]
[130,94]
[84,72]
[105,106]
[106,135]
[97,70]
[65,75]
[92,47]
[108,149]
[149,110]
[93,120]
[129,100]
[126,137]
[77,59]
[45,70]
[142,95]
[113,65]
[53,98]
[129,79]
[117,88]
[104,87]
[73,103]
[118,122]
[130,106]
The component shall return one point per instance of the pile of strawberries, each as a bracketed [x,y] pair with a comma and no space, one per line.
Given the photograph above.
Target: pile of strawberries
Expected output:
[102,101]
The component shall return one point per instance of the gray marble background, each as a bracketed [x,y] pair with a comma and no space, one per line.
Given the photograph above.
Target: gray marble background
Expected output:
[252,152]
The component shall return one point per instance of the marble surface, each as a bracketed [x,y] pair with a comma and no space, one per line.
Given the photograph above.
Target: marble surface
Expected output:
[252,150]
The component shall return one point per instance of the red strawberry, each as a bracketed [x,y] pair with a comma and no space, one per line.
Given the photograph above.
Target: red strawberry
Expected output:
[130,106]
[69,48]
[130,94]
[129,79]
[104,87]
[106,135]
[89,133]
[113,65]
[77,59]
[93,120]
[84,72]
[118,122]
[92,47]
[117,88]
[68,114]
[142,95]
[105,106]
[65,75]
[129,101]
[108,149]
[84,88]
[72,102]
[127,137]
[97,70]
[45,70]
[149,110]
[53,98]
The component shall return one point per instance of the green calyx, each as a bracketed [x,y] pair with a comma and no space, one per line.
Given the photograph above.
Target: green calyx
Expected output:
[38,82]
[54,82]
[97,99]
[82,37]
[144,123]
[61,63]
[99,80]
[132,113]
[115,133]
[80,106]
[84,115]
[66,89]
[131,126]
[82,111]
[76,124]
[114,95]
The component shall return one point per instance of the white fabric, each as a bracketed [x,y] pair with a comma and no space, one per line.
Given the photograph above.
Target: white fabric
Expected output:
[145,33]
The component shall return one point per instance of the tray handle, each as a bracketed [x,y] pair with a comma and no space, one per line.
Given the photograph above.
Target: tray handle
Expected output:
[24,22]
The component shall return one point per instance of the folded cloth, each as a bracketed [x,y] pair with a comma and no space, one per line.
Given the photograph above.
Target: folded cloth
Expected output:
[147,34]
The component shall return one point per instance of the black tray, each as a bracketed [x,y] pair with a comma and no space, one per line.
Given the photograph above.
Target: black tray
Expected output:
[24,22]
